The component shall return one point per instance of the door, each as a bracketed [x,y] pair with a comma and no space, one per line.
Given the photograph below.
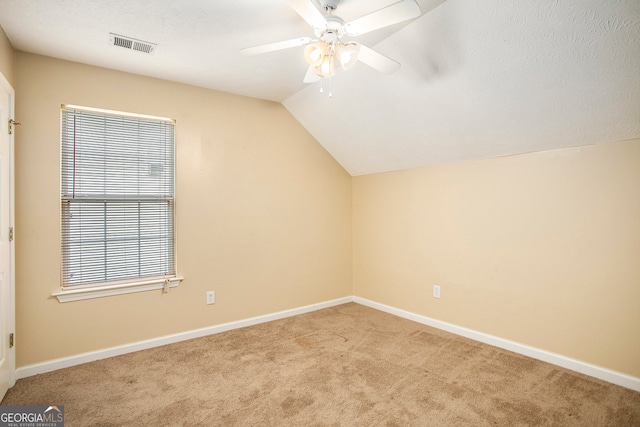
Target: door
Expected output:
[7,352]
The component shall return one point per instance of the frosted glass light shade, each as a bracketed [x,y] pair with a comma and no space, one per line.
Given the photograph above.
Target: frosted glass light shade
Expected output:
[315,53]
[326,68]
[348,54]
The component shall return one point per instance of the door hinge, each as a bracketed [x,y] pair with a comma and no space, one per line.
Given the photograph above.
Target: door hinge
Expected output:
[11,340]
[13,123]
[10,234]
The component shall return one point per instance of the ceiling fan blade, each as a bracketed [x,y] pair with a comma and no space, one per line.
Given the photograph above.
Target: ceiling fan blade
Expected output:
[311,76]
[377,60]
[308,12]
[275,46]
[397,12]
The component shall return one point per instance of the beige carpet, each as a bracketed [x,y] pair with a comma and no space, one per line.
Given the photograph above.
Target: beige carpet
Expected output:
[344,366]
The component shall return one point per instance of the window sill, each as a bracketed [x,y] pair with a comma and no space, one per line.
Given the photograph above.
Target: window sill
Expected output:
[69,295]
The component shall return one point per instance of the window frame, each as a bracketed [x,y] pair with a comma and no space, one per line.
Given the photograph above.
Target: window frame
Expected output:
[129,285]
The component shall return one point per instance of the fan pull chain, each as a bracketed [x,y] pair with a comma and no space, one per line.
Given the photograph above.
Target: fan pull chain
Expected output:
[322,86]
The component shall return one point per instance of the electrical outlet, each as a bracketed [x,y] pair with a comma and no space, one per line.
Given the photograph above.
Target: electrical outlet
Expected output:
[436,291]
[211,297]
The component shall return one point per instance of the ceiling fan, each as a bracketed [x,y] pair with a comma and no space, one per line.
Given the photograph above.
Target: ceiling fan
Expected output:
[328,51]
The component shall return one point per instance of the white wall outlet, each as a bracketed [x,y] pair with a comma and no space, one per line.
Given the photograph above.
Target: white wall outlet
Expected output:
[436,291]
[211,297]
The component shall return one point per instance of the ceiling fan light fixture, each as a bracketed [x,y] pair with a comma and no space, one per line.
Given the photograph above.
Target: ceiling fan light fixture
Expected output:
[315,53]
[348,54]
[327,51]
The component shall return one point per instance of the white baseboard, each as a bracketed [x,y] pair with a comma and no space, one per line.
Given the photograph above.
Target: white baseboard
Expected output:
[613,377]
[604,374]
[66,362]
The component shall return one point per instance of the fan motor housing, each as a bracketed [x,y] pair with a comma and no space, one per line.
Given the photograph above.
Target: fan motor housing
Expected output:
[334,28]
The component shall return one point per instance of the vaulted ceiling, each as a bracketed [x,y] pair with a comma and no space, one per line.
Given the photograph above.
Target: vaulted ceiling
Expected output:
[479,78]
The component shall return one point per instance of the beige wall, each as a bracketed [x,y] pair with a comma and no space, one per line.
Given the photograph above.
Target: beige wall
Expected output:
[7,58]
[541,249]
[263,212]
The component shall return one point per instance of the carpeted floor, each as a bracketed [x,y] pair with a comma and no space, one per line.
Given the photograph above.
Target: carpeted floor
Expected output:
[348,365]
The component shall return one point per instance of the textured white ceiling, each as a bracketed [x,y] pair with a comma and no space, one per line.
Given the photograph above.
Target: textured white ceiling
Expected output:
[479,78]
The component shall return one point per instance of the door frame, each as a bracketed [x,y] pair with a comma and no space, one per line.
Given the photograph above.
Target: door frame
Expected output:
[4,83]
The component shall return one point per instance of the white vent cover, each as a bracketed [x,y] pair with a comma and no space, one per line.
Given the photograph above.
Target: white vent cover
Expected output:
[131,43]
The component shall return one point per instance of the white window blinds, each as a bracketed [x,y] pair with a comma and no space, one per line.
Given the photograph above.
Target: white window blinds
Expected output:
[117,197]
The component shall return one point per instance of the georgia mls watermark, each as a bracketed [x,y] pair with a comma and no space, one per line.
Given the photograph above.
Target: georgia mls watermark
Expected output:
[31,416]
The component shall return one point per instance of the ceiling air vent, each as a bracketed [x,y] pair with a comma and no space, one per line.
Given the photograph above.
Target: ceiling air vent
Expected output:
[131,43]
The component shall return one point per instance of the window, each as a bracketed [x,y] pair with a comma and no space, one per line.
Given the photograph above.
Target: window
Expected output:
[117,202]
